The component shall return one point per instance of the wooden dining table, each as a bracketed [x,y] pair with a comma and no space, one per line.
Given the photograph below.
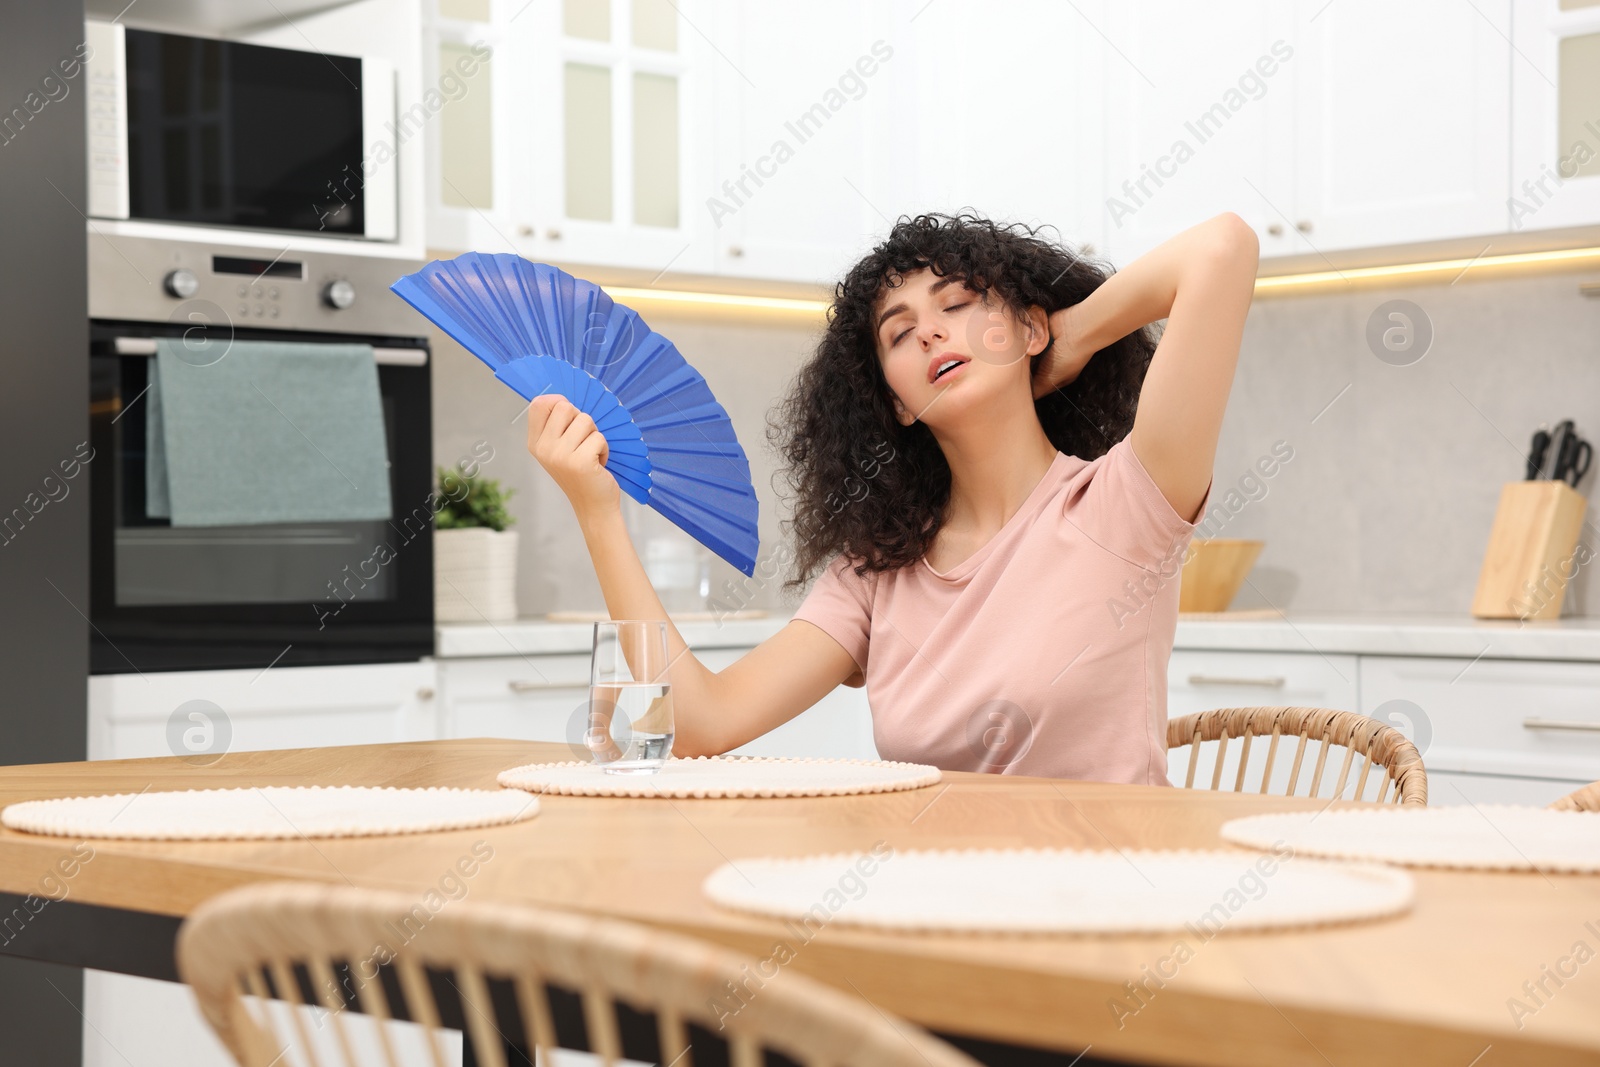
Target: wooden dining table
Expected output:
[1484,969]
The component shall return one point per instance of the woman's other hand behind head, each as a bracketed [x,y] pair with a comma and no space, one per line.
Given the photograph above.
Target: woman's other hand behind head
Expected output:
[1063,360]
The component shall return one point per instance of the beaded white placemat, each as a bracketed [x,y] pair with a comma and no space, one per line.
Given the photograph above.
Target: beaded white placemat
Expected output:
[270,812]
[1480,836]
[726,776]
[1060,891]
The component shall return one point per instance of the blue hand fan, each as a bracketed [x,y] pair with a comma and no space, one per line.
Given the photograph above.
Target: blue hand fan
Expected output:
[669,443]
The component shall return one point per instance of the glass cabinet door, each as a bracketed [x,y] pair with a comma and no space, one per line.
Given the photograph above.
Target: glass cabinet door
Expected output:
[456,115]
[1555,92]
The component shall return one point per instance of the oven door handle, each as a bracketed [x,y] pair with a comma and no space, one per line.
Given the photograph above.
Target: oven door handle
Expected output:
[393,357]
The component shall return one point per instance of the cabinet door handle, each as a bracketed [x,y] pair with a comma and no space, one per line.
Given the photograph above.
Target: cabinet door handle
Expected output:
[1213,679]
[517,685]
[1533,722]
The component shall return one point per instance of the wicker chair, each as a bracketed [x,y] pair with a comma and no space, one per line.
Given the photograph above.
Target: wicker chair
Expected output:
[1585,799]
[296,941]
[1379,745]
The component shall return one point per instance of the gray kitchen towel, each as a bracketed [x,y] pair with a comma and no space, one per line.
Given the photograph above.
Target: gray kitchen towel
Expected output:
[247,432]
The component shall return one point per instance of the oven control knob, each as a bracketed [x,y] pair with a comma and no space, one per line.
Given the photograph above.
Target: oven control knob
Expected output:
[339,295]
[182,283]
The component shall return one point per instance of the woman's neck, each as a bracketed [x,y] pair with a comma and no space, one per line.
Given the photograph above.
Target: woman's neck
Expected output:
[992,471]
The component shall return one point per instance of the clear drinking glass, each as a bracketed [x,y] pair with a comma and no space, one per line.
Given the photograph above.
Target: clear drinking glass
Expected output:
[630,697]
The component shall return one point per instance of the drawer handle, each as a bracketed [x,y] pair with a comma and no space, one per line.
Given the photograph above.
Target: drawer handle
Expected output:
[516,685]
[1213,679]
[1536,723]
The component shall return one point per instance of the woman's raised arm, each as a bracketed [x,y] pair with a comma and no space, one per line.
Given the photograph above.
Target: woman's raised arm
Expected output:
[1201,282]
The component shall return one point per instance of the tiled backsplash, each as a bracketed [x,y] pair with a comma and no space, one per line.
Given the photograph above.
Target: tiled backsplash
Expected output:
[1385,505]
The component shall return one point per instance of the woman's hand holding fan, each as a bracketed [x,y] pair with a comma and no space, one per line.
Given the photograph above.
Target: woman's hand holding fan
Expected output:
[566,443]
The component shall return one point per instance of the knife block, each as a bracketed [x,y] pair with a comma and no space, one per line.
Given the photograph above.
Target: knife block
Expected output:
[1530,555]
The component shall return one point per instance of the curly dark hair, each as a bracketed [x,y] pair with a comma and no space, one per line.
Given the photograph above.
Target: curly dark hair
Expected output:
[868,487]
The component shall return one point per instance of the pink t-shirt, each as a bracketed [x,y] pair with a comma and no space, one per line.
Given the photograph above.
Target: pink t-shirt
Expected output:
[1045,652]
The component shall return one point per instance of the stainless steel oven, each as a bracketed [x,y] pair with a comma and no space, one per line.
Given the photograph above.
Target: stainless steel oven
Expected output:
[249,594]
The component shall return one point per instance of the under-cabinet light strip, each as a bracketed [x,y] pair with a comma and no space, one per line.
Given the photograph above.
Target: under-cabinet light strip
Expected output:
[1282,281]
[680,296]
[1401,269]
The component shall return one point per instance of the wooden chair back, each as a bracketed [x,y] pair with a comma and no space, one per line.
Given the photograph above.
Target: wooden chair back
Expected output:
[1585,799]
[1272,731]
[345,950]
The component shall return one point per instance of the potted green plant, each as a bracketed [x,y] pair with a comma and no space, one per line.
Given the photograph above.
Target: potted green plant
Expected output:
[475,554]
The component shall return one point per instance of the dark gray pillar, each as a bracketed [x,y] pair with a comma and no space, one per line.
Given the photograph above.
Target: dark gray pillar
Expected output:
[44,392]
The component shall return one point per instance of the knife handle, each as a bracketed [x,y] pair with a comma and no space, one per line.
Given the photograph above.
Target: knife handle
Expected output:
[1541,445]
[1576,461]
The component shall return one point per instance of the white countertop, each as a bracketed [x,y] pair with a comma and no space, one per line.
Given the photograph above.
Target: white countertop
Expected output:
[540,636]
[1382,635]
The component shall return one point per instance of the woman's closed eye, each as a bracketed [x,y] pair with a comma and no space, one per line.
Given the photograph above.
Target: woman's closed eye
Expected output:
[901,336]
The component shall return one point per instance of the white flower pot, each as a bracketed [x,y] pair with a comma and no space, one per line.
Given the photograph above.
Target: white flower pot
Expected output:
[474,575]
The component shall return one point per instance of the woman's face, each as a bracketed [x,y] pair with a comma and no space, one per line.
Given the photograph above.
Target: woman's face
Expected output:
[927,321]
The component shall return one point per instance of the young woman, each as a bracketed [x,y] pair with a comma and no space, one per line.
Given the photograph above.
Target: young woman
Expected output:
[999,541]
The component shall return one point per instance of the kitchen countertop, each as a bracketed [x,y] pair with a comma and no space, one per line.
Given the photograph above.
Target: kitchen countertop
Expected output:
[540,636]
[1379,635]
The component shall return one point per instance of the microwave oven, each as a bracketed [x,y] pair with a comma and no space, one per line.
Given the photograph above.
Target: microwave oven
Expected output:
[202,131]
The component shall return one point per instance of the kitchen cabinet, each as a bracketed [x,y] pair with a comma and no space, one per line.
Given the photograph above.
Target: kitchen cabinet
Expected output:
[1203,680]
[780,143]
[789,196]
[1325,126]
[947,132]
[546,698]
[1402,123]
[1495,729]
[467,143]
[582,139]
[1449,788]
[1555,89]
[774,143]
[1490,731]
[1192,132]
[528,698]
[201,714]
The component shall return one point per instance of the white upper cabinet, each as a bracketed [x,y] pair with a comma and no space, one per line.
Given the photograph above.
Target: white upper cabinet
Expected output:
[949,131]
[1324,125]
[468,175]
[786,199]
[1555,84]
[1402,122]
[594,133]
[782,141]
[1199,115]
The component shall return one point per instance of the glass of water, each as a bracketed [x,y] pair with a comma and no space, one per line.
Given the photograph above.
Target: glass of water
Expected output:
[630,697]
